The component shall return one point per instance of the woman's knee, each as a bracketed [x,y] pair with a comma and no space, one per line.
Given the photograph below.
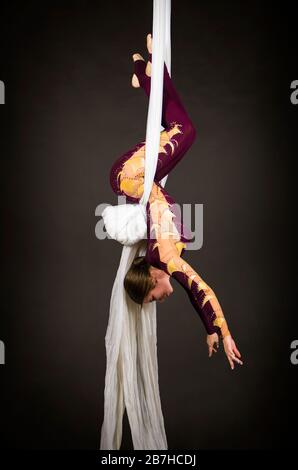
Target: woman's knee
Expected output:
[189,131]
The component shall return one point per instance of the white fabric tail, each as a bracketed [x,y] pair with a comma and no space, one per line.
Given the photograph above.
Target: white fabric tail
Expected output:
[131,342]
[132,368]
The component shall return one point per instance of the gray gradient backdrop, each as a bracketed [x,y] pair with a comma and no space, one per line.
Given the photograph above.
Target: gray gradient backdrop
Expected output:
[70,112]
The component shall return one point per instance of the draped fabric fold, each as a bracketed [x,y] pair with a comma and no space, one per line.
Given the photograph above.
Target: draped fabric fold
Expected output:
[131,379]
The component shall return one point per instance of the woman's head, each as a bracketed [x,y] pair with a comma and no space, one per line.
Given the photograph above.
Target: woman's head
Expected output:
[145,283]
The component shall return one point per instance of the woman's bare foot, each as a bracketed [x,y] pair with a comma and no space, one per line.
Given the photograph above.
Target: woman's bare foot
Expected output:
[149,43]
[149,47]
[135,81]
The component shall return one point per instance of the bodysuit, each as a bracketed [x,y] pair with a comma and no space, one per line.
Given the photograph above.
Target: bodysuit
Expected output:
[167,236]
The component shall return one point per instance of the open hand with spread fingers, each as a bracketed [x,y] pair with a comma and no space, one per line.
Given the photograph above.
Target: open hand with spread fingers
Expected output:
[232,353]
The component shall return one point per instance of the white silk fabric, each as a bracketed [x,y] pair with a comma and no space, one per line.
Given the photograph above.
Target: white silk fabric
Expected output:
[131,379]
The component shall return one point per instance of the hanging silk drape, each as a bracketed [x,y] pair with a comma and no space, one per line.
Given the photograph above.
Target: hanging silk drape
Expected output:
[131,379]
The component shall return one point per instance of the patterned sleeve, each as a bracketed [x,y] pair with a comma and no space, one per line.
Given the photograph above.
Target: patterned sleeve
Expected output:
[200,294]
[164,250]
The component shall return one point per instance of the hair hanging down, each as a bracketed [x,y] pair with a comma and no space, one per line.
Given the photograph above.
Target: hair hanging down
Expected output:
[138,281]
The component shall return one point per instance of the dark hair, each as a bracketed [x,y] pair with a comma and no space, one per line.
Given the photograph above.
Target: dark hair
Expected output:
[138,281]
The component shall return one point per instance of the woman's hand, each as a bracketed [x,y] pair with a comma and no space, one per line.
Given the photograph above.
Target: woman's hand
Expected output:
[231,351]
[230,348]
[211,341]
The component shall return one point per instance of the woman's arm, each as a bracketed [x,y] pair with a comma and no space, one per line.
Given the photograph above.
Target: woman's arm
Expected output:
[200,294]
[162,252]
[204,301]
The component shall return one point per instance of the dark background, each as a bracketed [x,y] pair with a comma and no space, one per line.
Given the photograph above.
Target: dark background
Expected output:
[70,112]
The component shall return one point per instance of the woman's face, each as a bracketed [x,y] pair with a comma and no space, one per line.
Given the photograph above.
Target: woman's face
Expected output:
[162,288]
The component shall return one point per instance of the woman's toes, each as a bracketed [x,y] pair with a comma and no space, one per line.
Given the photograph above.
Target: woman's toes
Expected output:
[135,81]
[149,43]
[137,57]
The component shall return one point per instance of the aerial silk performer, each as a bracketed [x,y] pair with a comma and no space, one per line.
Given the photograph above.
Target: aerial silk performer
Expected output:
[152,254]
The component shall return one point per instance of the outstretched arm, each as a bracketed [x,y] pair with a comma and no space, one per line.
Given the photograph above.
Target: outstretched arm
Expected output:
[200,294]
[205,303]
[166,255]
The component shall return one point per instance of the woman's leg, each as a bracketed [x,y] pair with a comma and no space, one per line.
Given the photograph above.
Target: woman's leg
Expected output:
[179,131]
[127,173]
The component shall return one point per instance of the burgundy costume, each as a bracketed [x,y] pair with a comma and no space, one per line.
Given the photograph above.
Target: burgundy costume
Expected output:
[127,177]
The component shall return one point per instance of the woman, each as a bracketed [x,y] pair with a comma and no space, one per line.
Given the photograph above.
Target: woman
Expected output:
[148,278]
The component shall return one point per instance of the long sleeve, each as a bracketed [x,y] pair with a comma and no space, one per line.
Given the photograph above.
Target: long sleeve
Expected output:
[200,294]
[165,245]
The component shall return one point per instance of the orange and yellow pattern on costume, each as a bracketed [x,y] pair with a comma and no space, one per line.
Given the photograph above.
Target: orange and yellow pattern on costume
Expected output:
[166,234]
[131,176]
